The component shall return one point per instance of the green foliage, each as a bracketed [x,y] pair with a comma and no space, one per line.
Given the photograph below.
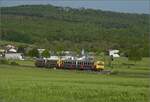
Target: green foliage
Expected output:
[11,35]
[8,62]
[74,29]
[14,63]
[146,47]
[135,54]
[4,61]
[33,53]
[46,53]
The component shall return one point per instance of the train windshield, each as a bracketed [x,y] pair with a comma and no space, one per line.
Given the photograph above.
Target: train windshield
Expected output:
[100,63]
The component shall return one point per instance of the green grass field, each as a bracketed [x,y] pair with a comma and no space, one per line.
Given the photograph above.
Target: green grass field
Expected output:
[30,84]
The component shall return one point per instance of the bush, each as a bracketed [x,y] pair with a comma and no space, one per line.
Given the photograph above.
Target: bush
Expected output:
[4,61]
[33,53]
[14,63]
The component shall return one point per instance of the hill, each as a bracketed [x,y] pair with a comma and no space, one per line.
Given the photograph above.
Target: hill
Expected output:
[66,28]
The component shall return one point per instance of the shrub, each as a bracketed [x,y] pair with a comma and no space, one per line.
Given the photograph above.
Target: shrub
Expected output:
[4,61]
[33,53]
[14,63]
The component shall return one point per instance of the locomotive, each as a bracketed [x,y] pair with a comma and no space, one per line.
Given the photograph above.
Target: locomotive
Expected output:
[70,64]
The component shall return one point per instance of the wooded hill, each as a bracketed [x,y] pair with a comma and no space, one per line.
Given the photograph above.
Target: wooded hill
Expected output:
[60,28]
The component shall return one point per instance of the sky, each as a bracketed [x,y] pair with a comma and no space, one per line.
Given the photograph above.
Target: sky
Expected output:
[127,6]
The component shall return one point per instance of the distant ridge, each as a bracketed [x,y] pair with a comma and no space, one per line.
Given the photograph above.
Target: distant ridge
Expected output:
[60,28]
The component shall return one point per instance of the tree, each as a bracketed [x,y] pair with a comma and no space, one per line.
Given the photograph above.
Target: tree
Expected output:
[135,54]
[45,53]
[93,30]
[146,47]
[33,53]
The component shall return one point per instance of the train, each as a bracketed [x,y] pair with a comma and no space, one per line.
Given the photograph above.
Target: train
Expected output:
[70,64]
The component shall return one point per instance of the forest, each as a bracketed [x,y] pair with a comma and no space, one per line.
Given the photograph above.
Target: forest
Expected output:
[65,28]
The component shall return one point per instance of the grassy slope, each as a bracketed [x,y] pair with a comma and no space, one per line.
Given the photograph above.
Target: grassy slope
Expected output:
[26,84]
[2,43]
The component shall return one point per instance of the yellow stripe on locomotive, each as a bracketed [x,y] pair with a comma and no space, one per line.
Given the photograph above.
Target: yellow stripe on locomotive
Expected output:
[99,65]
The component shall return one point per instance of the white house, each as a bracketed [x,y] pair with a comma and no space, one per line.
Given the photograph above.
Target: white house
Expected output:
[10,47]
[12,50]
[14,56]
[53,58]
[68,57]
[114,53]
[41,50]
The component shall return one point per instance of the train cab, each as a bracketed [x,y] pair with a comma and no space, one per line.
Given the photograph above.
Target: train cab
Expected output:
[99,65]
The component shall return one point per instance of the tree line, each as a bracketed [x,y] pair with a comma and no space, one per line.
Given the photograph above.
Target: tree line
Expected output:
[59,28]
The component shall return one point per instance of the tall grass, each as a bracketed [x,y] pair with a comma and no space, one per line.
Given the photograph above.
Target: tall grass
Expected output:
[31,84]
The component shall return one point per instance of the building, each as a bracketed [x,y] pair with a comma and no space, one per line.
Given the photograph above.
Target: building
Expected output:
[53,58]
[14,56]
[114,53]
[11,53]
[12,50]
[9,46]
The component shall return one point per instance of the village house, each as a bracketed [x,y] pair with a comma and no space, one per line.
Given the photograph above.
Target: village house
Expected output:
[114,53]
[11,53]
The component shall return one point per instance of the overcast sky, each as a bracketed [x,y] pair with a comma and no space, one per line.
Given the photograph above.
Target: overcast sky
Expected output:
[130,6]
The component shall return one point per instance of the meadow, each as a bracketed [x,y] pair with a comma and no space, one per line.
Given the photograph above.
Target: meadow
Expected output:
[26,83]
